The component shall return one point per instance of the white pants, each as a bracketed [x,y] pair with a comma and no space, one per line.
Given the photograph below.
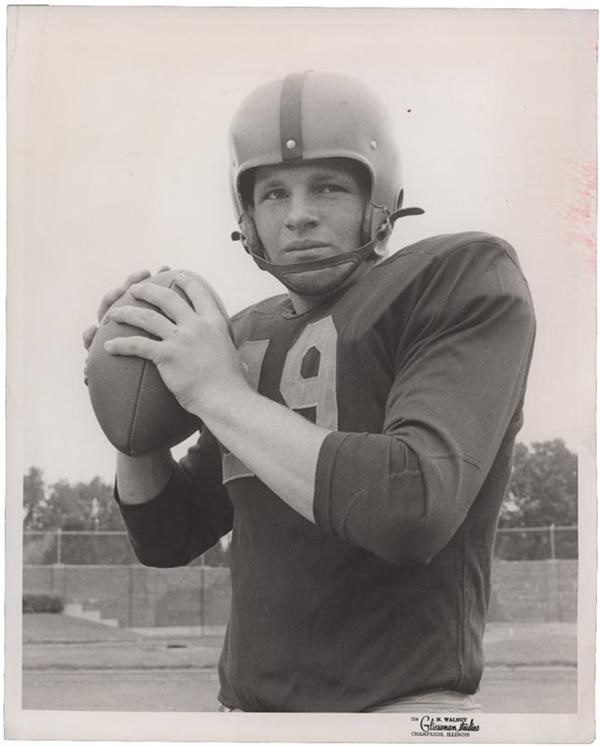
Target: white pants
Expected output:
[442,701]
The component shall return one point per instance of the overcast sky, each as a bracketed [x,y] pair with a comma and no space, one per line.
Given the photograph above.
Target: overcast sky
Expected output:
[118,124]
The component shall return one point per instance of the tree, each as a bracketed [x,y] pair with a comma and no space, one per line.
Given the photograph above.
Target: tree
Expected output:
[543,486]
[85,506]
[66,508]
[107,516]
[542,493]
[34,495]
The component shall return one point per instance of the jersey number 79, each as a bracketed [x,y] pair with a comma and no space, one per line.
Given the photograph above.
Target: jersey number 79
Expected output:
[307,384]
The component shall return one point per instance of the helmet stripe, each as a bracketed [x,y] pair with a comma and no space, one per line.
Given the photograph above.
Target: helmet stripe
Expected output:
[290,122]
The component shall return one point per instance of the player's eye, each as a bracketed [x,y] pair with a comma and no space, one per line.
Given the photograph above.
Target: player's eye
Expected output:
[271,195]
[330,187]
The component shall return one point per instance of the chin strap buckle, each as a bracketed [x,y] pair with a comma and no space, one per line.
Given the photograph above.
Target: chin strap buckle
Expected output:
[405,212]
[386,227]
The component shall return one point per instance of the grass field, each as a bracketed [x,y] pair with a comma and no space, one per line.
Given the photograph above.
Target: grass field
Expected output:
[72,664]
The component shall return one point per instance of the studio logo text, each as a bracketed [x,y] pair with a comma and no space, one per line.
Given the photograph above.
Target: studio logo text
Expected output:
[446,726]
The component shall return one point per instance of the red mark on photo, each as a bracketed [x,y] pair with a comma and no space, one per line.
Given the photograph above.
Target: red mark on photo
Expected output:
[579,212]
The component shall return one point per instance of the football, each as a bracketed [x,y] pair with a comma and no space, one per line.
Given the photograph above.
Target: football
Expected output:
[135,409]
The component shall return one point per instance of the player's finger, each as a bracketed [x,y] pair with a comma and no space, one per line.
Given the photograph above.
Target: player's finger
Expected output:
[169,302]
[137,276]
[204,298]
[88,336]
[164,268]
[113,295]
[107,300]
[136,346]
[146,319]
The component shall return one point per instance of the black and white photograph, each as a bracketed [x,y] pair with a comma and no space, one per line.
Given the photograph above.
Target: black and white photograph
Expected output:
[301,374]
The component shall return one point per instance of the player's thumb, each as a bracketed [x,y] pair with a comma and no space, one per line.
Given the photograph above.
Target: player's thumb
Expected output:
[88,336]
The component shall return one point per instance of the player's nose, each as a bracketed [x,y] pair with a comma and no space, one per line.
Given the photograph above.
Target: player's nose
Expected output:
[301,212]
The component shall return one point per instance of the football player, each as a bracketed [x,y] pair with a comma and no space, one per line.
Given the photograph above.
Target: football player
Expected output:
[358,429]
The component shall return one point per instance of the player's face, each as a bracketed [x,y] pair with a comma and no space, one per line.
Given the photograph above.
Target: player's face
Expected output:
[309,211]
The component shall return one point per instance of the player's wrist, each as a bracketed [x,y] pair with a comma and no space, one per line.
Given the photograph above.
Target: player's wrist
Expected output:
[140,479]
[224,403]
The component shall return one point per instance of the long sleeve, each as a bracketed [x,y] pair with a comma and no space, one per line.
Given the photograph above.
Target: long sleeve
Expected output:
[188,516]
[460,365]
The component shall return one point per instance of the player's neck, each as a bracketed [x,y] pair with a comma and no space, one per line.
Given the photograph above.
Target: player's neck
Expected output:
[304,303]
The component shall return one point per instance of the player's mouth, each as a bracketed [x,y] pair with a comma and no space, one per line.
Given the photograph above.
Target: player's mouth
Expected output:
[305,250]
[304,244]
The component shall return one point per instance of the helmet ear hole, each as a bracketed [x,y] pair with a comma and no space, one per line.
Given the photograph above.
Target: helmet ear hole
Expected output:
[251,240]
[384,231]
[245,187]
[367,222]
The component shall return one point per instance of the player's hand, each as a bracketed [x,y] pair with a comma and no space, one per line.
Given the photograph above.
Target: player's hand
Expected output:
[194,351]
[107,301]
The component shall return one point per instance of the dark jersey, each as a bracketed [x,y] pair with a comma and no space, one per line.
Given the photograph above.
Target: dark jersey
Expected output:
[419,371]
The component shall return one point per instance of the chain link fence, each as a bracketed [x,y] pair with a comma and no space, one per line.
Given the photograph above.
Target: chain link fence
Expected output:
[536,543]
[98,548]
[113,548]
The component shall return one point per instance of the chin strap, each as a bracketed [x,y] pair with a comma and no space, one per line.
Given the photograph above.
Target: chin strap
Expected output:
[355,257]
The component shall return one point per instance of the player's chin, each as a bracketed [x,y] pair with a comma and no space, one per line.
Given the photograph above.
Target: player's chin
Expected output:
[320,282]
[317,283]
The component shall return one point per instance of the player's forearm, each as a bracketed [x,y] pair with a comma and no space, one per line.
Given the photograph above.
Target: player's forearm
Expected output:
[142,478]
[278,445]
[184,519]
